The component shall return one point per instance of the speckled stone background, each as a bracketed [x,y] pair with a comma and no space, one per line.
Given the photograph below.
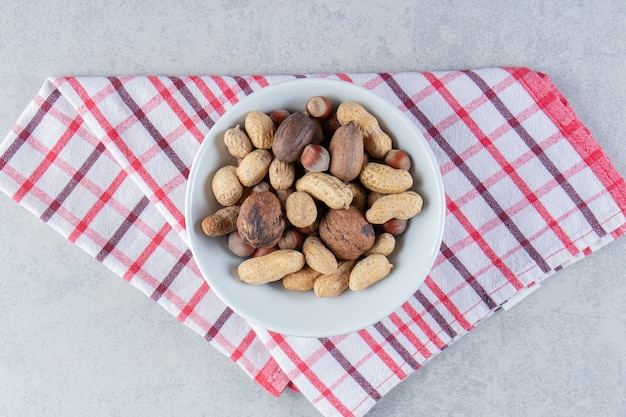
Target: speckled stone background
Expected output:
[76,340]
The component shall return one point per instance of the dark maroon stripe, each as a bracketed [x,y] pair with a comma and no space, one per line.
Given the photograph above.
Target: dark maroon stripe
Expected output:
[243,84]
[181,86]
[215,328]
[27,131]
[467,276]
[171,276]
[73,182]
[536,149]
[469,174]
[130,219]
[434,313]
[396,345]
[350,369]
[147,124]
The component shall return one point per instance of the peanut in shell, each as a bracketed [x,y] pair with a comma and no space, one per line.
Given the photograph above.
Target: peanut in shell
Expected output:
[260,128]
[334,284]
[368,271]
[302,280]
[377,142]
[253,167]
[222,222]
[384,179]
[324,187]
[270,267]
[226,187]
[237,142]
[318,256]
[401,206]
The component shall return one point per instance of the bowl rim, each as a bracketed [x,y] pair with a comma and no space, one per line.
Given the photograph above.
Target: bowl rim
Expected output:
[241,107]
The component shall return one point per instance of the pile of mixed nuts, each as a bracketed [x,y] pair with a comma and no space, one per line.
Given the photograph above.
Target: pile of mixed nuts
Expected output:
[316,199]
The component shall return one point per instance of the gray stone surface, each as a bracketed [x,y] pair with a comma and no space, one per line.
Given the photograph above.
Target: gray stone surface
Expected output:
[76,340]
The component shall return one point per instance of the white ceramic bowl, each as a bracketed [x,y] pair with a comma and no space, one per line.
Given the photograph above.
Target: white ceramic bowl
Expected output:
[302,314]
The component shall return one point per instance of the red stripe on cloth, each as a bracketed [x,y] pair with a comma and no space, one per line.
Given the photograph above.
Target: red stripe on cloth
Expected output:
[183,89]
[434,313]
[84,134]
[483,191]
[260,80]
[344,77]
[226,89]
[303,368]
[108,247]
[69,217]
[193,302]
[209,95]
[445,300]
[557,108]
[619,231]
[24,134]
[73,183]
[164,286]
[214,328]
[143,118]
[103,199]
[272,378]
[467,276]
[406,331]
[49,158]
[182,115]
[532,144]
[350,369]
[568,127]
[476,236]
[115,238]
[445,146]
[243,346]
[396,345]
[424,327]
[460,244]
[154,243]
[379,351]
[113,136]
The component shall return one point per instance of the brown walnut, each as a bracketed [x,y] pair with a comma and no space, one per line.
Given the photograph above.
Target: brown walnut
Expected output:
[260,222]
[347,233]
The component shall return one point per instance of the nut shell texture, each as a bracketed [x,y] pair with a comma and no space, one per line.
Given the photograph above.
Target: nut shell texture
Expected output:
[222,222]
[281,174]
[260,128]
[346,152]
[334,284]
[318,256]
[315,158]
[293,134]
[253,168]
[226,186]
[326,188]
[300,209]
[237,142]
[346,233]
[384,179]
[270,267]
[369,270]
[260,221]
[401,206]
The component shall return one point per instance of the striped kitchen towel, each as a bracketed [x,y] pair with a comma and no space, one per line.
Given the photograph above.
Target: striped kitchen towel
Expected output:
[105,160]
